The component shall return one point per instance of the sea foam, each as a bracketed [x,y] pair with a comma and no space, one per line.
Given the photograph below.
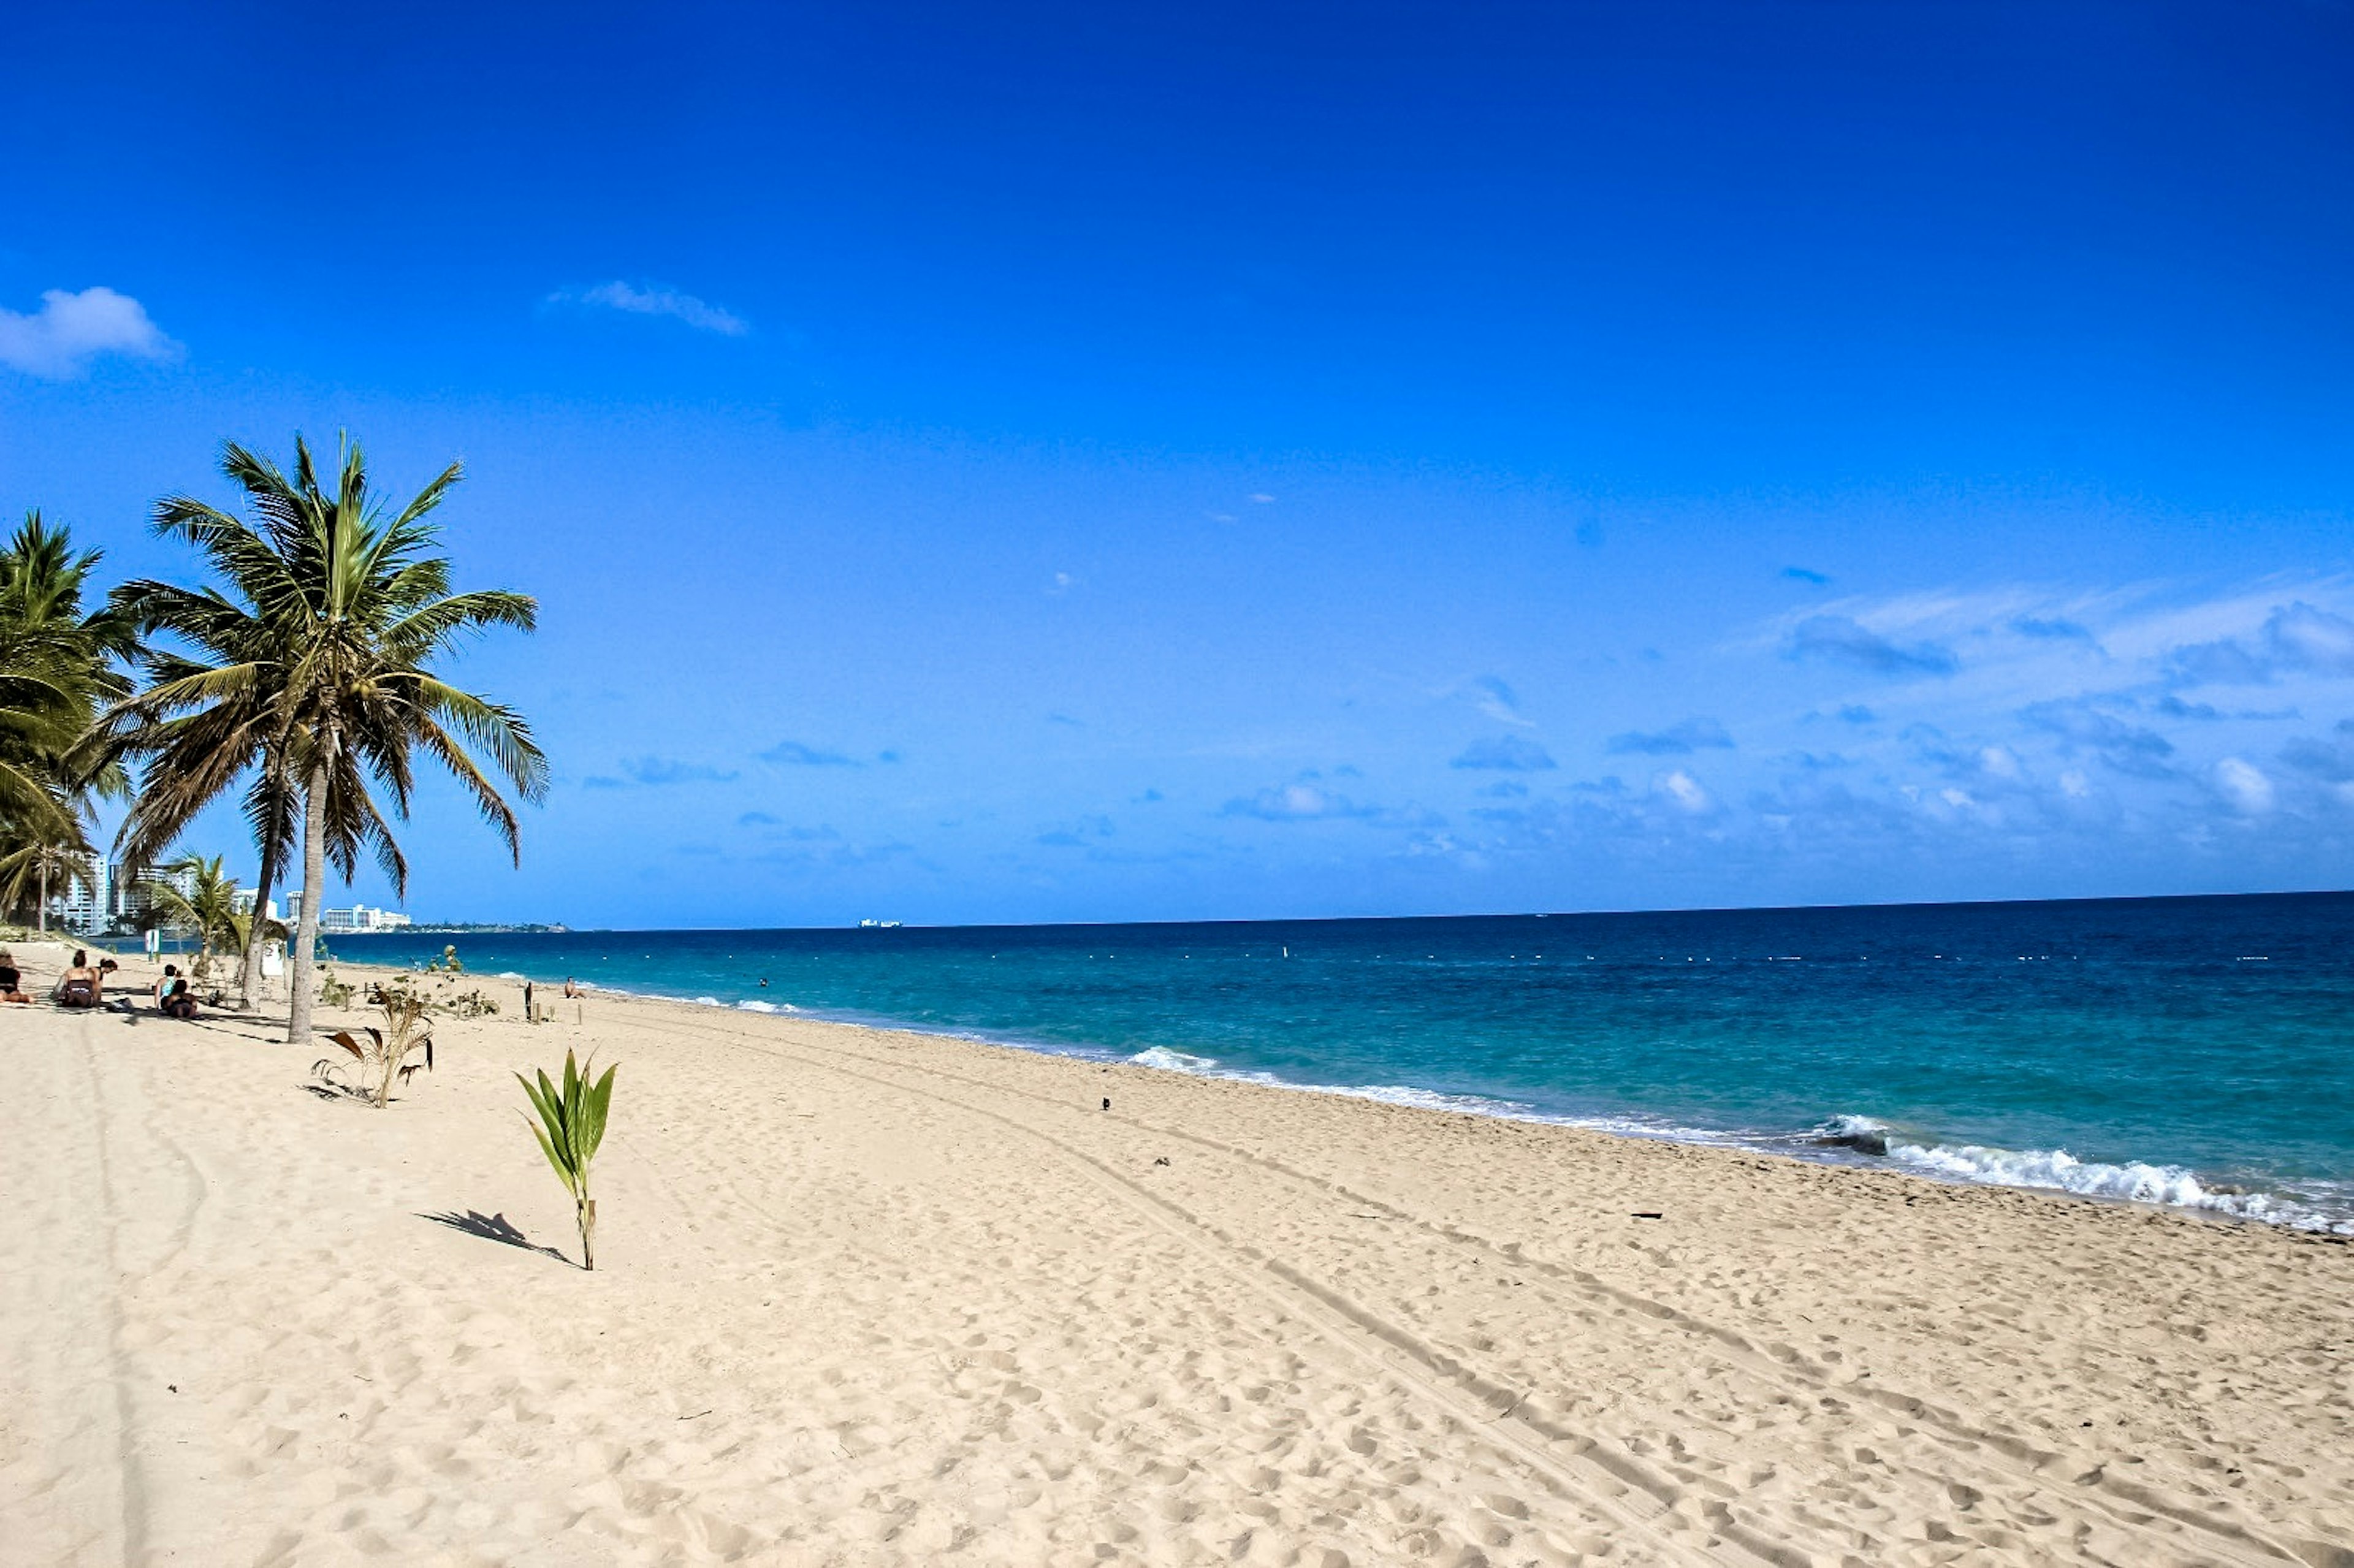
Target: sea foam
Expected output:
[1169,1061]
[2133,1181]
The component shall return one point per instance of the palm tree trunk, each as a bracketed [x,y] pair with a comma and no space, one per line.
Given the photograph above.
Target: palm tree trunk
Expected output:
[314,891]
[249,984]
[44,915]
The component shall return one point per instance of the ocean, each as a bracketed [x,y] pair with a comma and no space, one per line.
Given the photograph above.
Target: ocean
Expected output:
[2192,1052]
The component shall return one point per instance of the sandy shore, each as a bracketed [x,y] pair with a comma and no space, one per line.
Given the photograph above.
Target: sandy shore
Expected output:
[871,1298]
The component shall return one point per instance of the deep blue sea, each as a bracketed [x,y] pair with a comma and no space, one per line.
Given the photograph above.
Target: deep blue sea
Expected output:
[2198,1051]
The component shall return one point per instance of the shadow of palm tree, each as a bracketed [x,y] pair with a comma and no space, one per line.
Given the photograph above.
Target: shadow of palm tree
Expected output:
[493,1227]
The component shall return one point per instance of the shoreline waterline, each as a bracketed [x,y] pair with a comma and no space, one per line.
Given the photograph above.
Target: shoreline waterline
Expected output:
[1841,1141]
[2111,1049]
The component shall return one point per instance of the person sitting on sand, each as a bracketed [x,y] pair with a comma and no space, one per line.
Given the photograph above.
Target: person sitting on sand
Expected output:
[177,1002]
[81,985]
[12,980]
[571,989]
[170,973]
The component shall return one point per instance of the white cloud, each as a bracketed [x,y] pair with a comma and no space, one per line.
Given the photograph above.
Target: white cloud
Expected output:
[1685,791]
[2245,785]
[1999,762]
[1296,803]
[654,299]
[60,340]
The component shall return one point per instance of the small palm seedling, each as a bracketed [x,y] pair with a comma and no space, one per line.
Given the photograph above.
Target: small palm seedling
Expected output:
[383,1056]
[571,1124]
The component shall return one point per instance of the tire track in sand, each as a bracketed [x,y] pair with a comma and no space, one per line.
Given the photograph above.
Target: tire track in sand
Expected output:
[1595,1475]
[1987,1454]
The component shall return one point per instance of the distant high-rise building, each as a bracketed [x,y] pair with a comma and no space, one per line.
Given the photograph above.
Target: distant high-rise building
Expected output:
[85,904]
[242,900]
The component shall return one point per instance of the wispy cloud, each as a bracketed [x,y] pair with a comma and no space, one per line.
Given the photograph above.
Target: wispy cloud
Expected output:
[1492,698]
[655,772]
[1843,640]
[2296,638]
[654,299]
[60,340]
[1676,740]
[1685,792]
[793,754]
[2243,784]
[2330,761]
[1801,575]
[1302,801]
[1085,831]
[2049,628]
[2128,748]
[660,771]
[1510,753]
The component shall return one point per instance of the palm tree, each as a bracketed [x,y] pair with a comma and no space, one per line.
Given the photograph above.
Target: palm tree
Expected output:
[61,858]
[191,755]
[206,908]
[57,668]
[317,670]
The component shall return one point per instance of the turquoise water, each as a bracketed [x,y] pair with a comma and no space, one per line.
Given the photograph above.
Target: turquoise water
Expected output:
[2195,1051]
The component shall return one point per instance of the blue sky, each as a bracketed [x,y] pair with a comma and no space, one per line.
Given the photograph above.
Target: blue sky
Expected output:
[1036,462]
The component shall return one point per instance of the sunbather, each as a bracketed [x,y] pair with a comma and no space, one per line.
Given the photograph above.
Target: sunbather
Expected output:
[81,986]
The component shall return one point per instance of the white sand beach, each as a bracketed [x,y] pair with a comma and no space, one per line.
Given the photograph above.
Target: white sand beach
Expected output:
[867,1298]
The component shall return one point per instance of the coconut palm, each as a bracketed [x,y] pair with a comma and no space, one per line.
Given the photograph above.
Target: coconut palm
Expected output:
[316,669]
[192,749]
[194,896]
[57,855]
[57,668]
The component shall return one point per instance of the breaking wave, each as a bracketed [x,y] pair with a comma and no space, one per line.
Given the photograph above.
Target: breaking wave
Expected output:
[1847,1136]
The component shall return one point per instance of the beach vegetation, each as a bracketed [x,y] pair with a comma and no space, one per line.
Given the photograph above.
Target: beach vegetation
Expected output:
[334,989]
[382,1055]
[205,719]
[311,669]
[473,1004]
[61,661]
[206,911]
[53,855]
[570,1124]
